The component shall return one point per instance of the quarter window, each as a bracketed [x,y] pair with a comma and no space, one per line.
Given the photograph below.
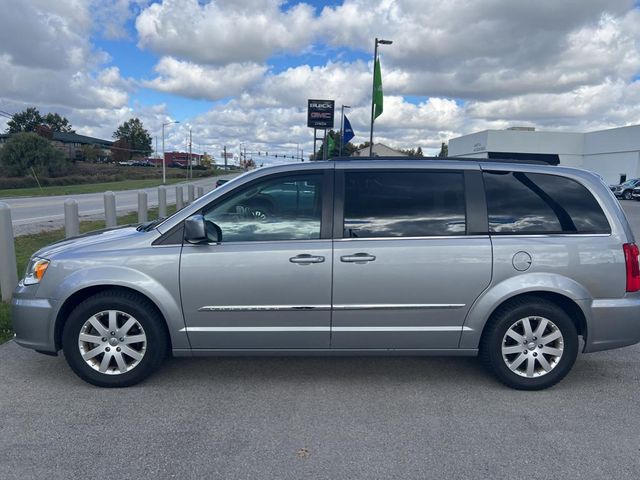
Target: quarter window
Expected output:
[284,208]
[530,203]
[404,204]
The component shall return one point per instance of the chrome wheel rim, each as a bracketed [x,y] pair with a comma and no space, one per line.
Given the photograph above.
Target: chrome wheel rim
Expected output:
[112,342]
[532,347]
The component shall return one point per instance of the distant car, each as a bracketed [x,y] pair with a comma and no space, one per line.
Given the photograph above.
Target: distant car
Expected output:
[625,190]
[635,193]
[220,182]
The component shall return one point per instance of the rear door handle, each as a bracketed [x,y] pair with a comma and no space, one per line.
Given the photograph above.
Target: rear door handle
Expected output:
[357,258]
[306,259]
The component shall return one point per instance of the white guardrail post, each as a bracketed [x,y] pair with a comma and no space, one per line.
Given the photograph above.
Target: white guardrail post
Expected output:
[71,218]
[191,193]
[179,198]
[8,269]
[199,191]
[110,218]
[162,202]
[142,207]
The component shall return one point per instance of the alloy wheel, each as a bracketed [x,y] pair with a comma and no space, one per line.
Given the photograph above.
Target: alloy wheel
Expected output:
[112,342]
[532,346]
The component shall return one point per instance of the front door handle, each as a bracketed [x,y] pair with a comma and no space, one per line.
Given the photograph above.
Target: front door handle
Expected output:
[357,258]
[306,259]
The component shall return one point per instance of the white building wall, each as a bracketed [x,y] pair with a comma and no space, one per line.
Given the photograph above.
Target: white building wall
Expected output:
[611,166]
[609,153]
[536,142]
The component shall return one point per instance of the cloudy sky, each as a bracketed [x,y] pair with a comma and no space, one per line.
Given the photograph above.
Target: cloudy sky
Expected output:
[241,70]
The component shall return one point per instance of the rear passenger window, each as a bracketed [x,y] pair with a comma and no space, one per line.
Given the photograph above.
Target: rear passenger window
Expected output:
[530,203]
[403,204]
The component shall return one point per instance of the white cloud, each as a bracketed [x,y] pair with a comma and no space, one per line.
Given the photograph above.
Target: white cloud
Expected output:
[199,81]
[225,31]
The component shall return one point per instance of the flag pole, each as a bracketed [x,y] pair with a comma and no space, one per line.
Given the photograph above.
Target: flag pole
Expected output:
[373,96]
[341,130]
[373,89]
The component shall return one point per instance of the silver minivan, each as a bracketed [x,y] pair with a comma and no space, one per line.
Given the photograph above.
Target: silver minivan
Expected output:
[519,263]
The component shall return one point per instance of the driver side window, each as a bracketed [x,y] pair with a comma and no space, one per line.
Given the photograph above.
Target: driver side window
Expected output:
[282,208]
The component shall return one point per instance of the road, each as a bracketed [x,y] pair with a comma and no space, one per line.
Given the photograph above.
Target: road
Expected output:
[34,214]
[321,418]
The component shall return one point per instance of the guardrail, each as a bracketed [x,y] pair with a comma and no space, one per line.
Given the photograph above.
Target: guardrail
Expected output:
[8,268]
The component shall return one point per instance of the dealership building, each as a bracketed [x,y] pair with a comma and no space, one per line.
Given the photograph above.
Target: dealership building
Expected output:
[614,154]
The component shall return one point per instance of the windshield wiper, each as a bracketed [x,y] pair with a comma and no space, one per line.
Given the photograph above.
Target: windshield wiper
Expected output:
[145,227]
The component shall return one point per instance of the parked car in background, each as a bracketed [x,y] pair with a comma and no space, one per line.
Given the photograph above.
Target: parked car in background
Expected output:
[511,262]
[625,190]
[220,182]
[635,194]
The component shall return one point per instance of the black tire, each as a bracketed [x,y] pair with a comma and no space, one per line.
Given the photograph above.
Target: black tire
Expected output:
[132,304]
[627,195]
[508,315]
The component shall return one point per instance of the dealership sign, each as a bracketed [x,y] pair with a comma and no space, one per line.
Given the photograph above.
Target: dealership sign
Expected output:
[320,113]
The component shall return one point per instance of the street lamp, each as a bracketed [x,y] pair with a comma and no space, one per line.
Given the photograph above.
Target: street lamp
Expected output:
[342,127]
[373,89]
[164,166]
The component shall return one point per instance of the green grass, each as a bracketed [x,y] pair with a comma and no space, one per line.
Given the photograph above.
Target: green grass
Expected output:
[85,188]
[26,245]
[5,322]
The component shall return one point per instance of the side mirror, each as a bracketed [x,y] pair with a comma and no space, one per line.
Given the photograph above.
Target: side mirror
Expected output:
[195,230]
[199,230]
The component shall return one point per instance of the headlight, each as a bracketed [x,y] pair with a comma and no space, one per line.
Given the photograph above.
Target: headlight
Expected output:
[35,270]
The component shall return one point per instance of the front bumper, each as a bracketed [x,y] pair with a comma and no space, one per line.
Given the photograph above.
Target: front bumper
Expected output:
[33,319]
[614,323]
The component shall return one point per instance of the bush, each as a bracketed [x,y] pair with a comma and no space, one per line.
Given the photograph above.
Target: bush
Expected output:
[25,153]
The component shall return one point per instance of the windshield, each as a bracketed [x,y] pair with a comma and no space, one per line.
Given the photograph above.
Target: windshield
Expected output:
[629,183]
[229,181]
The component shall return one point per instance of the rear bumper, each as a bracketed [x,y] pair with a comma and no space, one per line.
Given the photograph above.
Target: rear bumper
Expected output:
[614,323]
[32,319]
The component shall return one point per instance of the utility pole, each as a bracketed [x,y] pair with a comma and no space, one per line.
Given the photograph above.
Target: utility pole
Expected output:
[225,158]
[164,166]
[190,157]
[156,163]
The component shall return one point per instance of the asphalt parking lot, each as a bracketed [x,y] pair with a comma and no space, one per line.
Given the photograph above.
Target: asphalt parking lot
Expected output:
[338,418]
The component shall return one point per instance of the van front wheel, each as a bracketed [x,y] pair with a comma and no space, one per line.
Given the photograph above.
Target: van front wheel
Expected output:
[530,344]
[114,339]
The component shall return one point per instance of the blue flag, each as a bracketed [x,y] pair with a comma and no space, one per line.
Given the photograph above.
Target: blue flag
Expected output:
[348,134]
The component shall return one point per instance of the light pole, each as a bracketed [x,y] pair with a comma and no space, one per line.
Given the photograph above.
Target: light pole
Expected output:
[164,166]
[373,89]
[342,127]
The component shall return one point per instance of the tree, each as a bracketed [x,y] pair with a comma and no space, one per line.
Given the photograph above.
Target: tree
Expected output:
[333,139]
[30,119]
[90,153]
[27,152]
[413,152]
[444,150]
[120,150]
[207,160]
[25,121]
[133,132]
[57,123]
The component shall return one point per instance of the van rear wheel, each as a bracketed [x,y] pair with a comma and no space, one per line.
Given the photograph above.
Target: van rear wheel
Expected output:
[530,344]
[114,339]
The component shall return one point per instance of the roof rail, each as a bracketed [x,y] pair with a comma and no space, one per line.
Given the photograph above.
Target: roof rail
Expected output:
[456,159]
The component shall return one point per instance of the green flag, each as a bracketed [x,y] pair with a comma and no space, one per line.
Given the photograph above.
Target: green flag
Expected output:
[377,90]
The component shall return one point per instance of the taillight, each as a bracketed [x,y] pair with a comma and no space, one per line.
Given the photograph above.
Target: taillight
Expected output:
[631,253]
